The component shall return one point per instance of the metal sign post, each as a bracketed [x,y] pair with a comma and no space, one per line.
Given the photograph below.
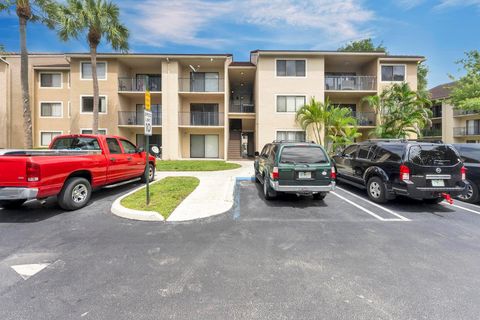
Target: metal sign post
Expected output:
[148,133]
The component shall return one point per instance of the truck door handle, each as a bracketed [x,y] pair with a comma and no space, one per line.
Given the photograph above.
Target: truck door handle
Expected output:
[129,158]
[113,159]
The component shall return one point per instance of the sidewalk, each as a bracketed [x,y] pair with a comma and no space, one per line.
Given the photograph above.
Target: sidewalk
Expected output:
[213,196]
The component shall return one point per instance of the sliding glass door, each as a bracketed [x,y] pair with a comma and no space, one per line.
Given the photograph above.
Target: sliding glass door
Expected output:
[204,146]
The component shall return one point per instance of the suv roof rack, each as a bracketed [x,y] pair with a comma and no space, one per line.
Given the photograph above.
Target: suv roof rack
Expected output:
[292,141]
[387,140]
[427,140]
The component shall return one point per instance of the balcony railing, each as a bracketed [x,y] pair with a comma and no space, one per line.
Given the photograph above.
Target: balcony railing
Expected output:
[198,118]
[432,132]
[458,112]
[364,118]
[201,85]
[132,118]
[139,84]
[242,107]
[349,83]
[465,131]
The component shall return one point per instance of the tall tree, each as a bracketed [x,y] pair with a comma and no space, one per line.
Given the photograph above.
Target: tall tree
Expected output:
[466,91]
[93,19]
[364,45]
[28,11]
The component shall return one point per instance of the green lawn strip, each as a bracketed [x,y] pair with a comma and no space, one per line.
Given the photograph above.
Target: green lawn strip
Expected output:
[195,165]
[165,195]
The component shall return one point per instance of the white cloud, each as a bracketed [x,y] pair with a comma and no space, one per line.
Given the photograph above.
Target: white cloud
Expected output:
[455,3]
[209,23]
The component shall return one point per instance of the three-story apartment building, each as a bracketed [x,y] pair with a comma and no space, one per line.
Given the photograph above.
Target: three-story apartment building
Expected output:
[204,105]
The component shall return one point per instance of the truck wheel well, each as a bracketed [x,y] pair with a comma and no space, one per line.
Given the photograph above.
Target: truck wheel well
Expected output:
[81,174]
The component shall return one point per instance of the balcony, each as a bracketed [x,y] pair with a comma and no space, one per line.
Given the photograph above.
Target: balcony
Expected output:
[364,119]
[206,85]
[238,107]
[458,112]
[207,119]
[350,83]
[465,131]
[139,84]
[432,132]
[132,118]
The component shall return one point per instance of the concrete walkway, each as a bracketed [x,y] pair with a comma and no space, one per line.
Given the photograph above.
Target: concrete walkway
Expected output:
[213,196]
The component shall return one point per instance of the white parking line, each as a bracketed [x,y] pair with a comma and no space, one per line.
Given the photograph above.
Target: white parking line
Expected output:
[402,218]
[460,207]
[365,209]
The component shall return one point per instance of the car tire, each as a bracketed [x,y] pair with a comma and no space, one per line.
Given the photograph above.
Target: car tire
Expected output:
[151,174]
[376,190]
[433,201]
[472,195]
[75,194]
[12,204]
[268,192]
[319,196]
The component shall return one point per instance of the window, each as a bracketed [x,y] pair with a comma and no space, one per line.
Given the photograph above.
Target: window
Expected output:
[50,80]
[87,104]
[392,153]
[86,70]
[204,82]
[393,73]
[303,155]
[76,144]
[264,151]
[473,127]
[290,103]
[90,131]
[128,147]
[51,109]
[291,135]
[47,137]
[154,140]
[433,155]
[363,151]
[291,68]
[469,154]
[350,150]
[113,146]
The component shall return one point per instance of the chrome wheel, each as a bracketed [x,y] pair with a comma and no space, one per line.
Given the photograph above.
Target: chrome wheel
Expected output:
[375,189]
[469,193]
[79,193]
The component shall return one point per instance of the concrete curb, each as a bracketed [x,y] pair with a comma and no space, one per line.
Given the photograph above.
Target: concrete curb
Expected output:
[119,210]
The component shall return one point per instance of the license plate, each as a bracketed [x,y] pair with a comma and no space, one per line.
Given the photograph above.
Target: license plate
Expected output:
[304,175]
[438,183]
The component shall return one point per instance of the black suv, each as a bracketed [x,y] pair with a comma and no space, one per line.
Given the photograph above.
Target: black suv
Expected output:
[387,168]
[470,154]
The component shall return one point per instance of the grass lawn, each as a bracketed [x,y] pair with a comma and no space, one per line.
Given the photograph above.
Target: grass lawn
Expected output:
[165,195]
[195,165]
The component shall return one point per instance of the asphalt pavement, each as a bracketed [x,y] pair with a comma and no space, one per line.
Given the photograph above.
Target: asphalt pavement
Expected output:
[292,258]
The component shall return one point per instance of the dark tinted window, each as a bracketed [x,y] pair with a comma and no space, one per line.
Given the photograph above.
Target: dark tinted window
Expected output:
[290,68]
[389,153]
[469,154]
[76,144]
[113,146]
[303,155]
[128,147]
[435,155]
[350,151]
[272,153]
[264,150]
[363,151]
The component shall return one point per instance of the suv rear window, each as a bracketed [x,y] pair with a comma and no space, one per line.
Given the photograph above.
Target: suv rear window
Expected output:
[303,155]
[76,144]
[436,155]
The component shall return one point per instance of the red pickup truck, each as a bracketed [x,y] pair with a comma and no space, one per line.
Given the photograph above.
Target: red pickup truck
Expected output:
[70,169]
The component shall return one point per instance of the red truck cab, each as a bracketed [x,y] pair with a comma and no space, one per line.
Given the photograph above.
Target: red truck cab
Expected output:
[70,169]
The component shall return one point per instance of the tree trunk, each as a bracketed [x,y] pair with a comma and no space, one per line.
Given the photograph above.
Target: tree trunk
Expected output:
[27,112]
[93,57]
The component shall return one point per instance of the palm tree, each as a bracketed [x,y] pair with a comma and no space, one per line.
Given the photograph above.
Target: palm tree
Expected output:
[314,115]
[94,19]
[28,10]
[376,104]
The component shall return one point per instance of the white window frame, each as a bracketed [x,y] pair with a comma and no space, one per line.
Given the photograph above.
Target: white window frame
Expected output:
[290,77]
[69,110]
[99,79]
[287,95]
[83,129]
[47,117]
[91,95]
[291,130]
[45,131]
[393,65]
[50,72]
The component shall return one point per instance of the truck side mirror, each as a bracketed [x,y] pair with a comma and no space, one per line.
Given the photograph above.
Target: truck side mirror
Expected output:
[256,154]
[140,149]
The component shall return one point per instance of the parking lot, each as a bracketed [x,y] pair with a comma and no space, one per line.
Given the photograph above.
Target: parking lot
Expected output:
[291,258]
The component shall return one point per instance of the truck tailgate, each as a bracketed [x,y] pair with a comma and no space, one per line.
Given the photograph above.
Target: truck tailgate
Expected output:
[13,171]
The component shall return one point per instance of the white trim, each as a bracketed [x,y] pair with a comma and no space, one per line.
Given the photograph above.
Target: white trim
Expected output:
[68,79]
[99,79]
[50,72]
[47,117]
[91,95]
[292,77]
[44,131]
[81,129]
[287,95]
[69,109]
[393,65]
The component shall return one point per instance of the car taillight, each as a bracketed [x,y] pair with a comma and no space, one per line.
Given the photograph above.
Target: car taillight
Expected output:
[274,174]
[33,172]
[333,174]
[463,171]
[404,173]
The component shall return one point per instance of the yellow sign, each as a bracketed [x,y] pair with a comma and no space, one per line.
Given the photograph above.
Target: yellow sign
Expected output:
[147,100]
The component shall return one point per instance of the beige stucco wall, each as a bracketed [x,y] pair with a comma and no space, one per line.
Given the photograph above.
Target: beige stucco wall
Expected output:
[4,103]
[170,108]
[410,73]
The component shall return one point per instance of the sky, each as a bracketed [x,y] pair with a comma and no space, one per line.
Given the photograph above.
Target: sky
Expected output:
[440,30]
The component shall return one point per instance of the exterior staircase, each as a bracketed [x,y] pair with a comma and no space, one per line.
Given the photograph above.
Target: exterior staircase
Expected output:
[234,149]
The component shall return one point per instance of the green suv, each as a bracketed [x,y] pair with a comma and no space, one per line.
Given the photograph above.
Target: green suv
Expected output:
[302,168]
